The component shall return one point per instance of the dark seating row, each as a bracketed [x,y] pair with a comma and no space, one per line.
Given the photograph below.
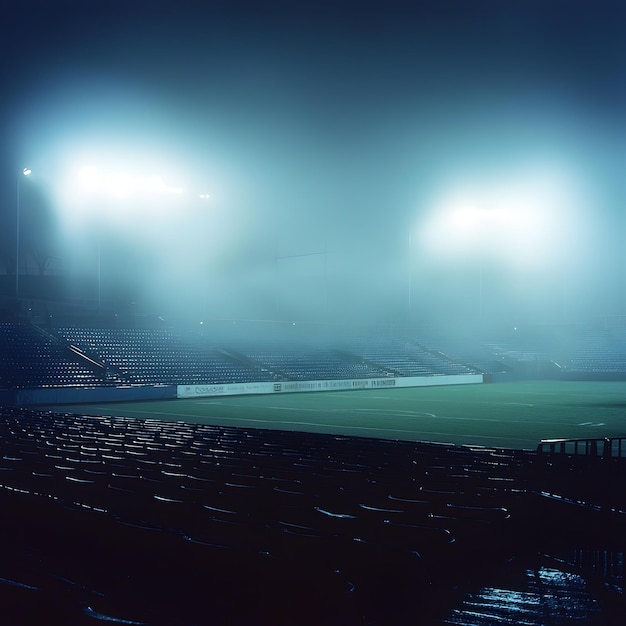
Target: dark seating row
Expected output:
[342,525]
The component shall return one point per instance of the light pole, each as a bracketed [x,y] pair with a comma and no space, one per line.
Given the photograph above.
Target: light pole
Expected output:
[410,267]
[25,172]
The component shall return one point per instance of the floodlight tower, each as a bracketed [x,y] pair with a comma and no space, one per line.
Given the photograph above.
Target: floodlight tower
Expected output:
[25,172]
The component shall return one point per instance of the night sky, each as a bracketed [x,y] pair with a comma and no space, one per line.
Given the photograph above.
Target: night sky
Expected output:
[375,160]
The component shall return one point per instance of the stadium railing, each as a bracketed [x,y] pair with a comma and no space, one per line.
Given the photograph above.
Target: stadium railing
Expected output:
[605,447]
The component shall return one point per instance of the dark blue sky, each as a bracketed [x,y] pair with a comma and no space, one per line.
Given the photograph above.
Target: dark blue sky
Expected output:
[332,126]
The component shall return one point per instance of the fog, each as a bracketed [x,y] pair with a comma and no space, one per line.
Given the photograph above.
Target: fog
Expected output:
[388,162]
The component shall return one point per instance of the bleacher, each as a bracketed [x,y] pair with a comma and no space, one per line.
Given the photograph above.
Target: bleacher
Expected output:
[405,357]
[80,356]
[151,356]
[132,521]
[30,357]
[115,520]
[598,352]
[298,362]
[88,356]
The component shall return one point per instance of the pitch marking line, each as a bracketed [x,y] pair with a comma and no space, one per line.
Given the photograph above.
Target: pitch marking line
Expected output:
[336,426]
[180,416]
[391,412]
[320,411]
[343,427]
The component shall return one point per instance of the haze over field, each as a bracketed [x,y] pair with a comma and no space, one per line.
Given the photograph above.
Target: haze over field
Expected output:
[320,161]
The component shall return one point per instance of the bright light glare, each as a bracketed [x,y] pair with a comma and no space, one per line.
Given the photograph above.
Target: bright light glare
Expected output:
[119,184]
[117,194]
[522,220]
[26,171]
[88,180]
[473,220]
[154,184]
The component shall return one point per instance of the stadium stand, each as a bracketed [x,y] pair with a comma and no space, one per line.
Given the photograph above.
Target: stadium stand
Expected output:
[142,356]
[76,356]
[31,357]
[598,353]
[142,521]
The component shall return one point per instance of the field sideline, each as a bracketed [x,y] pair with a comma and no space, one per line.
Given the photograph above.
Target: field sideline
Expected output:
[508,415]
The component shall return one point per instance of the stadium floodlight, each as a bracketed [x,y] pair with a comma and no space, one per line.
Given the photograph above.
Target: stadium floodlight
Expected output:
[155,185]
[518,219]
[524,222]
[25,172]
[101,193]
[120,184]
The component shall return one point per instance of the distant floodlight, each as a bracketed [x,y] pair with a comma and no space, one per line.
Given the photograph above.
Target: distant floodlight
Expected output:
[518,217]
[154,184]
[87,171]
[26,171]
[203,196]
[177,190]
[89,179]
[463,217]
[121,185]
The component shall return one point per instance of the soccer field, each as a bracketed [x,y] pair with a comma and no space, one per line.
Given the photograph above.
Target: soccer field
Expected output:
[510,415]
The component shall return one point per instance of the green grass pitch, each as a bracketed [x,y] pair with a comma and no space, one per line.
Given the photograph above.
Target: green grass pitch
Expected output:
[509,415]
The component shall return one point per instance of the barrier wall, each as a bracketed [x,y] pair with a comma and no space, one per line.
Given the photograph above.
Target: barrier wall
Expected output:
[7,397]
[84,395]
[308,386]
[74,395]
